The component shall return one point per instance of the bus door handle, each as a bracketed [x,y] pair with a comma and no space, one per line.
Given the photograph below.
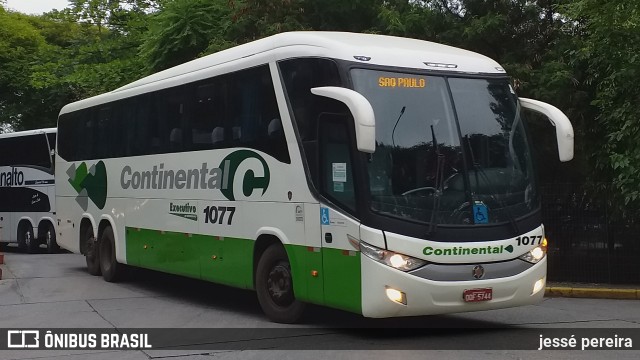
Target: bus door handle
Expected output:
[328,238]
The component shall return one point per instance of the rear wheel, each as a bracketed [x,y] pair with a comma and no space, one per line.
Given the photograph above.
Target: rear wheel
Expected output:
[274,286]
[50,239]
[26,241]
[91,251]
[109,266]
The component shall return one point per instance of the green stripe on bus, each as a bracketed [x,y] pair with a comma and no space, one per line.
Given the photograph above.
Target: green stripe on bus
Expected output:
[304,260]
[229,261]
[342,279]
[338,283]
[217,259]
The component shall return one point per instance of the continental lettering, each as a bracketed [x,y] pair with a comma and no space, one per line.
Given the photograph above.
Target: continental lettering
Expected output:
[159,178]
[462,251]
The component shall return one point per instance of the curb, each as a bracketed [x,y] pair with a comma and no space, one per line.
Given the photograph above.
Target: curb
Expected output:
[593,293]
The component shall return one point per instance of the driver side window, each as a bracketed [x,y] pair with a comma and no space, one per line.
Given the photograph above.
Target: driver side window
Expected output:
[335,160]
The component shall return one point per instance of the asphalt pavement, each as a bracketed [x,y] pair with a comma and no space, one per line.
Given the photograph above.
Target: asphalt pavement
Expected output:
[55,291]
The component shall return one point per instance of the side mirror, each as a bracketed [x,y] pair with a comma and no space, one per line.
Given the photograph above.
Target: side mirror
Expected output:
[564,129]
[361,110]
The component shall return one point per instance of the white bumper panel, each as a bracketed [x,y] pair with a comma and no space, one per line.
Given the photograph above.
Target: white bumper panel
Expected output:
[427,297]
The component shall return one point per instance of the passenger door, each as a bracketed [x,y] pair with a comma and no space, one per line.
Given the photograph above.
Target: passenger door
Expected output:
[340,228]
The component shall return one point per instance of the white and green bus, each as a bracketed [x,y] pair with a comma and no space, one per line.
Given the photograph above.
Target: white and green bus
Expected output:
[27,189]
[379,175]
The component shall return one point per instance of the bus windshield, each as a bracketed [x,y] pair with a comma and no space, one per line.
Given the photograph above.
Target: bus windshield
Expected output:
[449,150]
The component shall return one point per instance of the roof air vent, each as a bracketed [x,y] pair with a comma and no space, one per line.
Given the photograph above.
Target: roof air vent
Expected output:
[441,65]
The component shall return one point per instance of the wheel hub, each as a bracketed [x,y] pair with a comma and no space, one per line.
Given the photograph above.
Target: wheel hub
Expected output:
[279,285]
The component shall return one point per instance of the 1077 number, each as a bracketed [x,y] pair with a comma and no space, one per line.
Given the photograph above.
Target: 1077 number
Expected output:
[529,240]
[216,214]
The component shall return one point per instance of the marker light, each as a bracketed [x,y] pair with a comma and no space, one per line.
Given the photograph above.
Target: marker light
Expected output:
[539,285]
[390,258]
[396,296]
[362,58]
[441,65]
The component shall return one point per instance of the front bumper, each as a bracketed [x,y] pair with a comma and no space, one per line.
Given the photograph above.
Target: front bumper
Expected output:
[428,297]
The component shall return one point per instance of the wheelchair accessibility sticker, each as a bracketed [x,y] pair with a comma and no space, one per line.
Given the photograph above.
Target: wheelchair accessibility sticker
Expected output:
[480,213]
[324,216]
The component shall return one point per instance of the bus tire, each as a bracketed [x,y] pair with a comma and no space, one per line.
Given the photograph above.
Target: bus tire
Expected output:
[26,240]
[109,266]
[50,239]
[91,252]
[274,286]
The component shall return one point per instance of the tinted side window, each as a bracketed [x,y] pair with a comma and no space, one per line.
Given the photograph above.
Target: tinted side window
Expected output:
[300,76]
[337,181]
[232,110]
[29,150]
[255,120]
[67,135]
[208,116]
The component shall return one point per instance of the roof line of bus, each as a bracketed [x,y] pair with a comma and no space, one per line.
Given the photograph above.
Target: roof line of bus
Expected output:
[141,82]
[334,42]
[155,78]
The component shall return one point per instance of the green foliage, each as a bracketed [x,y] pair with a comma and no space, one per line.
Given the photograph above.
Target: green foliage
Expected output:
[48,61]
[580,55]
[183,30]
[20,43]
[610,46]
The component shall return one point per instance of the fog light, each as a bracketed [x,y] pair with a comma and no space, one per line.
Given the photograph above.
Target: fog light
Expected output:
[539,285]
[396,296]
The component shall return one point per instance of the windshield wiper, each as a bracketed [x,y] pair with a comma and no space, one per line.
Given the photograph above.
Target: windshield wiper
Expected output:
[433,224]
[394,126]
[480,170]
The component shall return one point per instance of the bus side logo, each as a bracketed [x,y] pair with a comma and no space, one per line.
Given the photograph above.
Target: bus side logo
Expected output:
[253,175]
[91,183]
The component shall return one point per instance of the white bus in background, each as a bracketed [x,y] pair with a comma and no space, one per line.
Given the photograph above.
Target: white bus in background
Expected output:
[27,189]
[379,175]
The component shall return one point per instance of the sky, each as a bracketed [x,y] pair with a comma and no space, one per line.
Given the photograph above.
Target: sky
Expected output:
[36,6]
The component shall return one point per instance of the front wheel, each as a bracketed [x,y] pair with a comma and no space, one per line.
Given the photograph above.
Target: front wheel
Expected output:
[274,286]
[109,266]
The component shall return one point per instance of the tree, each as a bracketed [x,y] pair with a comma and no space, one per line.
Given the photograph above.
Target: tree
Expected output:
[610,46]
[182,30]
[48,61]
[20,44]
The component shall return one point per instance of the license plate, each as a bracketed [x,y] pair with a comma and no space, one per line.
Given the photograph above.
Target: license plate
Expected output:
[476,295]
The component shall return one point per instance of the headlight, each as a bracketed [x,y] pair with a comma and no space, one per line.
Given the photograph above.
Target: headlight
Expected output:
[536,254]
[390,258]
